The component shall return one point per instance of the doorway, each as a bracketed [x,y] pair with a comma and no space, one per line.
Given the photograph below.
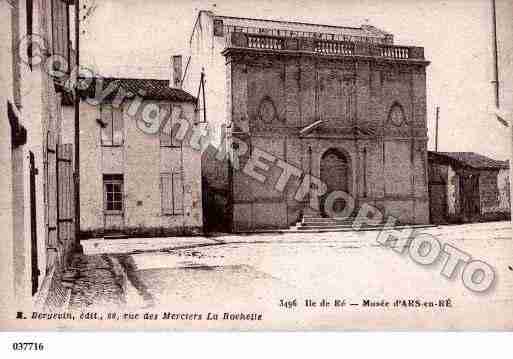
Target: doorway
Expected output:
[334,172]
[470,198]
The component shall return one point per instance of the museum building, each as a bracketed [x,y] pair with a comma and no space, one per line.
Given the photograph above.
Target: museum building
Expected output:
[342,104]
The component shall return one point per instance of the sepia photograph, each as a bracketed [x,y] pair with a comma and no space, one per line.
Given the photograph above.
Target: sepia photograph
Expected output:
[218,165]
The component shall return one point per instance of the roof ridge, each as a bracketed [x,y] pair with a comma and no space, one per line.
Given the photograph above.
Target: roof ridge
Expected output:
[132,78]
[473,159]
[153,88]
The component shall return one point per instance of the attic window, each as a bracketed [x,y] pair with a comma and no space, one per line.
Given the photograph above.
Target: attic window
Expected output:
[218,28]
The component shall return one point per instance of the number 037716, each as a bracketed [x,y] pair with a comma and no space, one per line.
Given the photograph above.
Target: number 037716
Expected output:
[19,346]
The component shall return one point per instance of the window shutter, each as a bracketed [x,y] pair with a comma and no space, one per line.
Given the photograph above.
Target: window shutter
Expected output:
[165,130]
[176,117]
[106,130]
[60,31]
[177,193]
[117,126]
[166,194]
[29,10]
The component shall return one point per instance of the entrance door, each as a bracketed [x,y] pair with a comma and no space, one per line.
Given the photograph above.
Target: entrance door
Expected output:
[438,202]
[470,198]
[334,172]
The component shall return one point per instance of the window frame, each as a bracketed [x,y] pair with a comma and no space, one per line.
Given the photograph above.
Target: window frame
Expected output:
[115,179]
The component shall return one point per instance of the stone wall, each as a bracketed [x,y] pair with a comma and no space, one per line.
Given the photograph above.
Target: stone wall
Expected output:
[6,177]
[504,190]
[31,91]
[494,193]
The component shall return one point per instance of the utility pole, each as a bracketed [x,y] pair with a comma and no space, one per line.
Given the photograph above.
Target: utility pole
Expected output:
[77,123]
[495,56]
[503,116]
[436,127]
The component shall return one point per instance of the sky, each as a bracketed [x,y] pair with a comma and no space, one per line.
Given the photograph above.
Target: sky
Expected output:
[137,38]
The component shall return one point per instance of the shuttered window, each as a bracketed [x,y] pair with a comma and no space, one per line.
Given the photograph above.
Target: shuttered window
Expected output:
[60,31]
[171,125]
[171,189]
[29,10]
[112,126]
[165,131]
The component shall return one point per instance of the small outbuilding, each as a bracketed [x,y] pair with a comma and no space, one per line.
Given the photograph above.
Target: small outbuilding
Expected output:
[467,187]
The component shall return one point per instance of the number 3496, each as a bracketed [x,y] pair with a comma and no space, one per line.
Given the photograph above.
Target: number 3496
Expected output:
[18,346]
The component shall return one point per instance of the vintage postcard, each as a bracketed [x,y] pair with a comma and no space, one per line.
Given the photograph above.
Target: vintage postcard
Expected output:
[263,165]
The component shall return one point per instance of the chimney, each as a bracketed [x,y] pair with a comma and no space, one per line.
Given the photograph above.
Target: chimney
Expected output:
[176,72]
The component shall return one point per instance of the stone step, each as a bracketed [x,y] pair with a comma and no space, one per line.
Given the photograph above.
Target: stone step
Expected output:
[304,228]
[115,236]
[326,224]
[333,226]
[364,228]
[327,221]
[320,218]
[346,229]
[310,225]
[313,219]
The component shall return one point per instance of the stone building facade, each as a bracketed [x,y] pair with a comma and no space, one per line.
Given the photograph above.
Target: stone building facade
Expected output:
[34,212]
[136,178]
[343,105]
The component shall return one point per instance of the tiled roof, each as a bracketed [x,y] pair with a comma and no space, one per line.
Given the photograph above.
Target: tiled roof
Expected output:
[474,160]
[147,88]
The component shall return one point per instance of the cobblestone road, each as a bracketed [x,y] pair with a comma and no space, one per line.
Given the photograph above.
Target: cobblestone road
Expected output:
[96,282]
